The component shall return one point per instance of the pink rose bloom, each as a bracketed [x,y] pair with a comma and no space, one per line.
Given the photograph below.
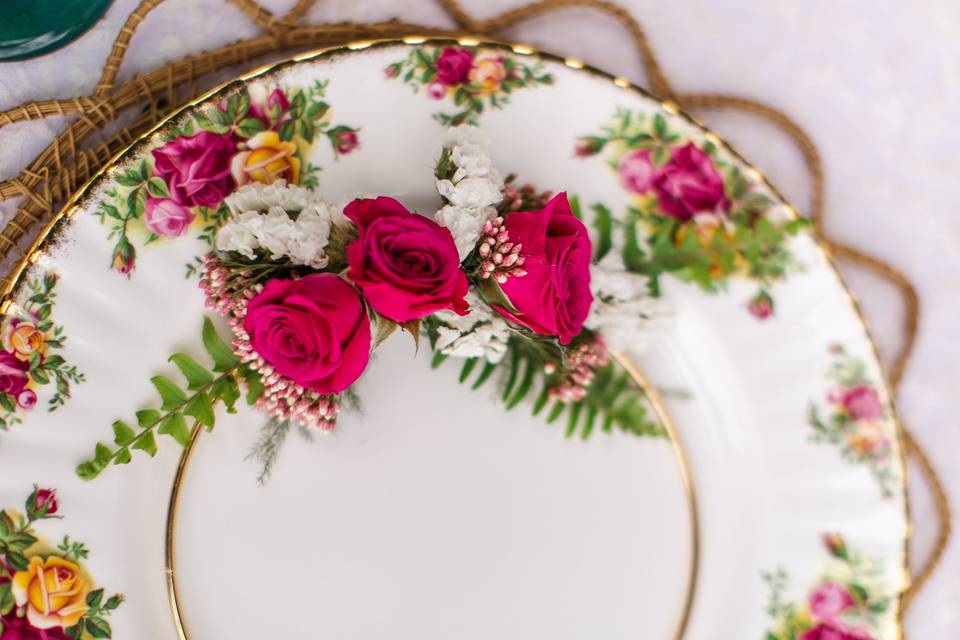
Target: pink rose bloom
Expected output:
[636,171]
[554,297]
[13,374]
[436,90]
[862,402]
[406,265]
[829,601]
[453,66]
[314,331]
[196,168]
[827,631]
[690,184]
[27,399]
[19,628]
[167,218]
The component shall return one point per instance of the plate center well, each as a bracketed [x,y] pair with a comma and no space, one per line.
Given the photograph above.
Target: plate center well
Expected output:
[433,512]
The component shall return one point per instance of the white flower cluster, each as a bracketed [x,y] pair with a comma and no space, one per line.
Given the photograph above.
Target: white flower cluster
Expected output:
[261,220]
[482,333]
[623,311]
[474,189]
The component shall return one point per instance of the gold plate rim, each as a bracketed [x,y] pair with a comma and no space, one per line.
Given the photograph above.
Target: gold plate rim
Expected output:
[75,202]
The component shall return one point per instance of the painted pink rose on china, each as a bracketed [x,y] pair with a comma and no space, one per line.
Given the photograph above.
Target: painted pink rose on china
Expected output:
[406,265]
[829,601]
[164,217]
[196,169]
[827,631]
[313,330]
[862,402]
[636,169]
[13,374]
[690,184]
[554,296]
[453,66]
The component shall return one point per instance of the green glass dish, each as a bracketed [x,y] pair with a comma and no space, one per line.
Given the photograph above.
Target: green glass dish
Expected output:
[30,28]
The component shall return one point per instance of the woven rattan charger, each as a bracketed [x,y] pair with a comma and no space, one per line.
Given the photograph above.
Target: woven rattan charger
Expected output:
[67,163]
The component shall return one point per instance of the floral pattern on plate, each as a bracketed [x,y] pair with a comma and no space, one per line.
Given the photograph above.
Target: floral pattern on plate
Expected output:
[472,79]
[692,213]
[29,358]
[857,420]
[45,592]
[848,601]
[259,134]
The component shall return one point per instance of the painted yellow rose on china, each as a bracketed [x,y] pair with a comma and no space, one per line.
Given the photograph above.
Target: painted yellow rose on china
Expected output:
[267,159]
[25,339]
[53,592]
[488,72]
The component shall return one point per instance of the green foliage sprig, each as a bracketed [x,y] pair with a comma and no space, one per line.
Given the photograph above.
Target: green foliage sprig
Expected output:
[204,388]
[614,401]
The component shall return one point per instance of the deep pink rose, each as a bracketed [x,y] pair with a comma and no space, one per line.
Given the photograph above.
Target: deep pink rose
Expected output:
[196,168]
[13,374]
[829,601]
[19,628]
[554,297]
[167,218]
[314,331]
[406,265]
[636,171]
[862,402]
[690,184]
[453,66]
[827,631]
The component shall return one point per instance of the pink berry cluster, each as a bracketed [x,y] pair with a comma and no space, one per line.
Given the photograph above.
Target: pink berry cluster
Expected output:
[524,198]
[580,366]
[228,293]
[499,258]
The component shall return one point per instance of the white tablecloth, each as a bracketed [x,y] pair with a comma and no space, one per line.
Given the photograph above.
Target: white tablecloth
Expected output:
[876,84]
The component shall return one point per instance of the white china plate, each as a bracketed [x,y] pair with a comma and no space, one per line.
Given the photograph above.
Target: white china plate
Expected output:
[434,513]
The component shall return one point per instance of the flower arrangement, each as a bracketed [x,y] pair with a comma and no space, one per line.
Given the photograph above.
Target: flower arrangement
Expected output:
[858,421]
[847,603]
[470,78]
[505,277]
[29,358]
[691,214]
[45,592]
[256,135]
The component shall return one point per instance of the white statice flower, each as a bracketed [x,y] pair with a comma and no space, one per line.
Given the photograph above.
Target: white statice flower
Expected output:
[238,234]
[623,311]
[473,162]
[311,238]
[284,220]
[482,333]
[276,232]
[465,225]
[464,135]
[470,193]
[257,196]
